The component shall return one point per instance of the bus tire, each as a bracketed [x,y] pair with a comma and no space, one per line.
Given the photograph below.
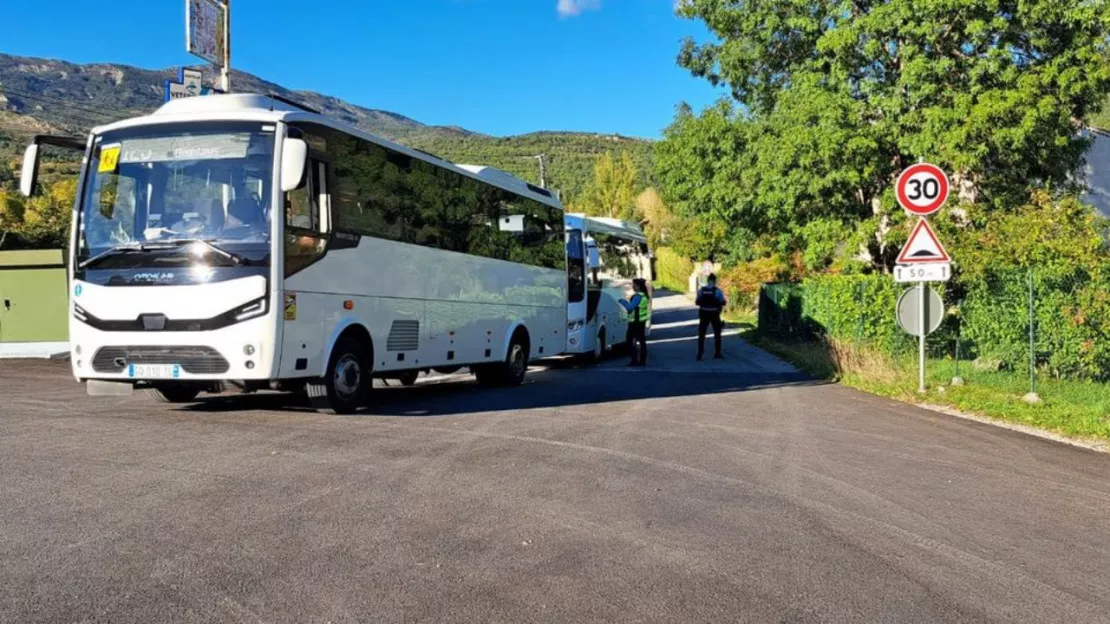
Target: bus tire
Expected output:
[598,353]
[173,393]
[511,372]
[346,384]
[408,378]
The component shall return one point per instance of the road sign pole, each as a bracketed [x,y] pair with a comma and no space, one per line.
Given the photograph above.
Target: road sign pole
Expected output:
[225,69]
[921,341]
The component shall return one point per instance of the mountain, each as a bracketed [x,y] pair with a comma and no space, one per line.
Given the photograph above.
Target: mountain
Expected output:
[47,95]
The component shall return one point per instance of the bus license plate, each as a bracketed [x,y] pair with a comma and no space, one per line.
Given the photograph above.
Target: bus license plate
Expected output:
[154,371]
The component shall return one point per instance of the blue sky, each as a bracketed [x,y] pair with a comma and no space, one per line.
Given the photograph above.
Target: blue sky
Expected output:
[495,66]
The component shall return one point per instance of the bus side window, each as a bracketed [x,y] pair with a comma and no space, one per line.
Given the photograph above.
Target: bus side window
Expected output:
[299,206]
[321,197]
[304,210]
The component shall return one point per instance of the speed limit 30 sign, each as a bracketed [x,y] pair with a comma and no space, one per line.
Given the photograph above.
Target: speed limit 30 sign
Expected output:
[922,189]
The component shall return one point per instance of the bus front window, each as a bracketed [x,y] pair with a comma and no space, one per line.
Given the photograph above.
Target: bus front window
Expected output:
[150,186]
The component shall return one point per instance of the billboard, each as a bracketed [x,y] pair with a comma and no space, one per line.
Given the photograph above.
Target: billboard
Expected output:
[205,24]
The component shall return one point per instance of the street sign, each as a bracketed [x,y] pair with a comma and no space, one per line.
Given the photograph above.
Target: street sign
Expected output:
[923,273]
[205,21]
[910,311]
[922,189]
[923,247]
[188,85]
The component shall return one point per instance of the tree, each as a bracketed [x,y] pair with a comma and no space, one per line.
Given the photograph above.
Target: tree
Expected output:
[657,218]
[1102,119]
[833,99]
[40,221]
[612,192]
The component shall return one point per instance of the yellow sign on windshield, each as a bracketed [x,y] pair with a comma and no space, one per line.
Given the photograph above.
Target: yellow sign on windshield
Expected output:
[109,159]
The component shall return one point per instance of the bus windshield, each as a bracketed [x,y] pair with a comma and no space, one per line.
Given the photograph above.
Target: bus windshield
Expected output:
[152,186]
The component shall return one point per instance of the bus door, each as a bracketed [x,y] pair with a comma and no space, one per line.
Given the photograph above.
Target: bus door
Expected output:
[576,278]
[307,224]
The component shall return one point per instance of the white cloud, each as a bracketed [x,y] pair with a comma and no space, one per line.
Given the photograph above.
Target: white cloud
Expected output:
[571,8]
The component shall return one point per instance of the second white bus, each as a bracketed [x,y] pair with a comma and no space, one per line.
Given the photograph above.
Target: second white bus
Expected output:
[603,257]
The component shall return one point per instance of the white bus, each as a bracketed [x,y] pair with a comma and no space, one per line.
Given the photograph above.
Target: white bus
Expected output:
[243,240]
[603,257]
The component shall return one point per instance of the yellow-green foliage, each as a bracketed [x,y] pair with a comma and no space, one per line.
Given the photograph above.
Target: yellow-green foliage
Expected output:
[673,270]
[742,282]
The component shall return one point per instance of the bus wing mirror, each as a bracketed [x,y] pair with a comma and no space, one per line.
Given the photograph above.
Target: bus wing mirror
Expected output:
[294,156]
[594,259]
[30,172]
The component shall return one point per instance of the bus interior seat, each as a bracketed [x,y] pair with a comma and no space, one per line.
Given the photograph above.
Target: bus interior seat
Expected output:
[245,211]
[213,213]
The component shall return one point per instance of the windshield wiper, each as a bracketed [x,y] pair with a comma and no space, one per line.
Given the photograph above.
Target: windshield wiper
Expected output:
[138,247]
[182,242]
[114,251]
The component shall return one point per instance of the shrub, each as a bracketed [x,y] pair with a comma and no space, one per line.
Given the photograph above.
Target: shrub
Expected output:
[845,308]
[1071,316]
[672,270]
[741,283]
[1063,240]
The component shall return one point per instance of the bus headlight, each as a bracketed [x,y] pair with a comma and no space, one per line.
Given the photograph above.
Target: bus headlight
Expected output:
[256,308]
[79,313]
[576,325]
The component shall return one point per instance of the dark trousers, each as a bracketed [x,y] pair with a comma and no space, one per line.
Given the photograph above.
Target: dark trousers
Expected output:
[637,342]
[705,319]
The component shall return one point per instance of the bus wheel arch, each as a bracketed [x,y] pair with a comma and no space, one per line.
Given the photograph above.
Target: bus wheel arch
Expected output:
[357,330]
[347,378]
[598,352]
[516,330]
[510,371]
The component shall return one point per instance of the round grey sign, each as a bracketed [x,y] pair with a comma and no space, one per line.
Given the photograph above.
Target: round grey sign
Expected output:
[909,311]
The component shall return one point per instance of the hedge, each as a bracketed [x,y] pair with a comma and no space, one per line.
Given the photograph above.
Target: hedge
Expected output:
[858,308]
[672,270]
[1071,318]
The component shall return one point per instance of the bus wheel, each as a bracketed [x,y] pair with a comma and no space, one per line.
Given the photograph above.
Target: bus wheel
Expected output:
[599,346]
[510,372]
[173,393]
[346,385]
[408,378]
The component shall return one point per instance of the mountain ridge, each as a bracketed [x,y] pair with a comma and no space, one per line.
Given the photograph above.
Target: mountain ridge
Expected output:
[72,97]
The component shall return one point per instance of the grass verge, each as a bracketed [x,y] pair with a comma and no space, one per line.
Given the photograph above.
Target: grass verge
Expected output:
[1072,408]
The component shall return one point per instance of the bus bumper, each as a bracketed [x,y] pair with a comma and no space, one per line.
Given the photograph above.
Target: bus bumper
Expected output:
[239,352]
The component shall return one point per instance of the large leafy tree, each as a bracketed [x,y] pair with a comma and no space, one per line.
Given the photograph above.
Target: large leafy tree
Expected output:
[612,191]
[830,99]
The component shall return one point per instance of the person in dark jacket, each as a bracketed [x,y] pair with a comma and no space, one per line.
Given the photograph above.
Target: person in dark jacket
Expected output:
[639,311]
[710,302]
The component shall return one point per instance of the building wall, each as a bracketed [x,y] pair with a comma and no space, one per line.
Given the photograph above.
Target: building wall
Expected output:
[33,296]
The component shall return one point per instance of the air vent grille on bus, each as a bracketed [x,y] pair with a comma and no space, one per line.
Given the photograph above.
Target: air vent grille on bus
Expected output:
[192,359]
[403,336]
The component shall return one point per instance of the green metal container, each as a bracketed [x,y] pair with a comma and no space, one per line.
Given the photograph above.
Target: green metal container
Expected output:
[33,296]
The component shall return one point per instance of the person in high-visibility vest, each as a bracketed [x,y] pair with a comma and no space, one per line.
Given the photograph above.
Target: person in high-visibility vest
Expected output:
[639,311]
[710,302]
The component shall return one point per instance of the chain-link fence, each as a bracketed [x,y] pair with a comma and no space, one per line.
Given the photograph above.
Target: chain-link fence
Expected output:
[1026,321]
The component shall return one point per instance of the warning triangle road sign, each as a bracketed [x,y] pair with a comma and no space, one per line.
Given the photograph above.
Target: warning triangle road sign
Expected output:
[923,247]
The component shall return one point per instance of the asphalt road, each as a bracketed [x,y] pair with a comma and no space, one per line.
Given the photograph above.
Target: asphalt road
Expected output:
[686,492]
